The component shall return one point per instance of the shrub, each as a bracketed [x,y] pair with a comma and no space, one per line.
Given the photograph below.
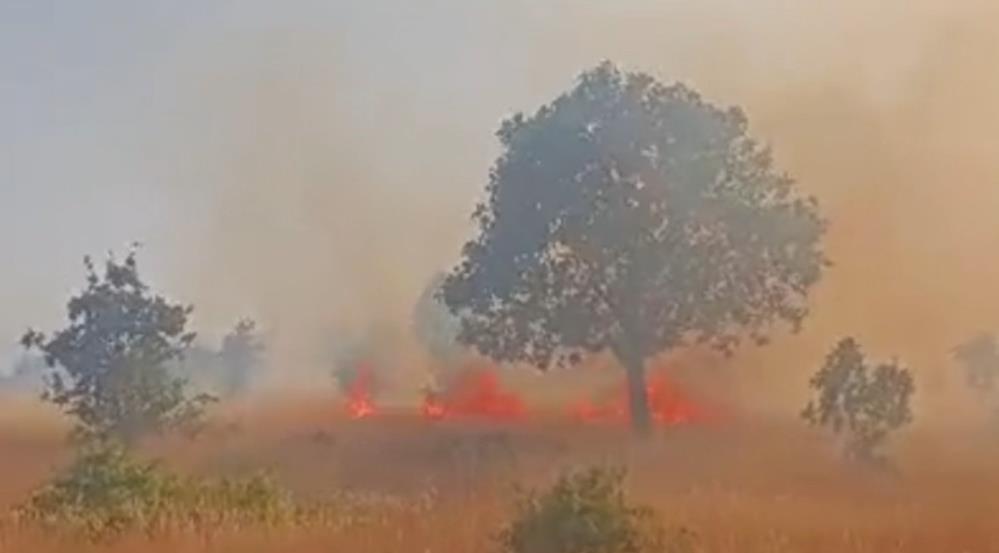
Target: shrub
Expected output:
[106,493]
[587,512]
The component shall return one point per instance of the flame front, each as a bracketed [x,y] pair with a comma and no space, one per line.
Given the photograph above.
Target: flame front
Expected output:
[668,406]
[474,393]
[359,396]
[477,393]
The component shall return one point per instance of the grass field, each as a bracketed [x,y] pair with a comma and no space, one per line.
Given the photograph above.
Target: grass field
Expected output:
[744,486]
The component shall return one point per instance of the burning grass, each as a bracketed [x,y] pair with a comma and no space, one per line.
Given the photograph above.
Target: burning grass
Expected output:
[471,394]
[668,405]
[446,485]
[477,393]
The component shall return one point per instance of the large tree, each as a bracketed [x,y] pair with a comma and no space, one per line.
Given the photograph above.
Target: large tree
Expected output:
[109,366]
[632,216]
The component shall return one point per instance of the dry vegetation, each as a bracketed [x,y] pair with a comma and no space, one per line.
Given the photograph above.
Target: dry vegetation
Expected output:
[447,487]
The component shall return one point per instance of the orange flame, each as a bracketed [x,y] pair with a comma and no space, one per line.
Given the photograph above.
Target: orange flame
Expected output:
[433,408]
[474,394]
[668,406]
[359,401]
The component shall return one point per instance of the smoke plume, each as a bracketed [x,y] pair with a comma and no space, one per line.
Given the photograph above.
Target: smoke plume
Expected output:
[322,165]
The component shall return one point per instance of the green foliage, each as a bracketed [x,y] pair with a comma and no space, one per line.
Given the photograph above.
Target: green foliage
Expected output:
[862,403]
[108,366]
[587,512]
[632,216]
[102,493]
[107,493]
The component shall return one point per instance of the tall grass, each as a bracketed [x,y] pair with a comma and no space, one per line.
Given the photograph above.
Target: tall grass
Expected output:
[401,485]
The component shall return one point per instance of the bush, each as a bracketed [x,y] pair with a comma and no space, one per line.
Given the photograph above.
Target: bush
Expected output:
[587,512]
[102,493]
[106,493]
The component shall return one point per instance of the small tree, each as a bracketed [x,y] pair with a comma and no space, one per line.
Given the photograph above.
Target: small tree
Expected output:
[862,403]
[108,366]
[630,216]
[241,357]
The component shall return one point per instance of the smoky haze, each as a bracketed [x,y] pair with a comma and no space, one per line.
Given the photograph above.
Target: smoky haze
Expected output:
[313,164]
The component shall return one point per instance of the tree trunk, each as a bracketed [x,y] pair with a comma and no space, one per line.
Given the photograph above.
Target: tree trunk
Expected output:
[638,394]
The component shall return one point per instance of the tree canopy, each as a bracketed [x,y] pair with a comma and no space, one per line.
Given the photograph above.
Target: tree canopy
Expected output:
[108,366]
[632,216]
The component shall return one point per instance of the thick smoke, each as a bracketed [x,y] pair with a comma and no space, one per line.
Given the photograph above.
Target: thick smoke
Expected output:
[323,165]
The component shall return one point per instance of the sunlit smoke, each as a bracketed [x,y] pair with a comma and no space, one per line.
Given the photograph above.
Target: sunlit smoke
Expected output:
[275,155]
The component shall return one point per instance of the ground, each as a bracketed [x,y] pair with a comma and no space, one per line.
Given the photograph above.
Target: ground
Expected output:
[747,485]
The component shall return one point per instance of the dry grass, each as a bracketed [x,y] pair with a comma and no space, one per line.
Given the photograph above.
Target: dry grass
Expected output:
[769,486]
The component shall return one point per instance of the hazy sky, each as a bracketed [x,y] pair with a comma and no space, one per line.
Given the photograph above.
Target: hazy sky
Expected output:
[312,163]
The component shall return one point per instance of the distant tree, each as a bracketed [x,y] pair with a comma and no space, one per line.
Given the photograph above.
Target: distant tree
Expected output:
[200,367]
[632,217]
[241,357]
[862,403]
[108,366]
[368,356]
[980,359]
[434,325]
[26,375]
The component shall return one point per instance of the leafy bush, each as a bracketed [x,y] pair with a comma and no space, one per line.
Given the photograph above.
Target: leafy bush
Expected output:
[102,493]
[587,512]
[106,493]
